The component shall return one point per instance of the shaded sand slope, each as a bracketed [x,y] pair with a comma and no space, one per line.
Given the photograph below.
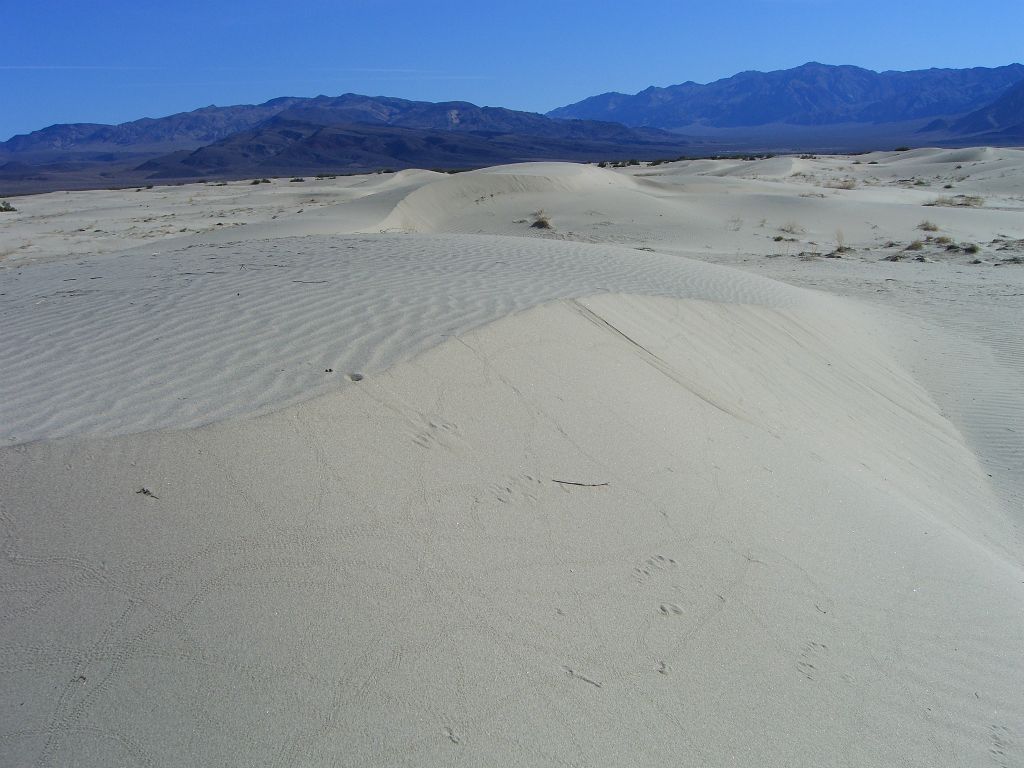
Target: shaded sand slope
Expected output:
[615,530]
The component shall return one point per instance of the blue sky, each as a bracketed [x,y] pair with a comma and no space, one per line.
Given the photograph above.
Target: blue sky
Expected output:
[113,60]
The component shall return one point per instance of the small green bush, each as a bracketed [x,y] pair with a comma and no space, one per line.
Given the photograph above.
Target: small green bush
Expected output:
[6,207]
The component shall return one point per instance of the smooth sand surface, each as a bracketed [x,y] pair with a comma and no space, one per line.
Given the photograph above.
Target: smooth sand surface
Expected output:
[402,480]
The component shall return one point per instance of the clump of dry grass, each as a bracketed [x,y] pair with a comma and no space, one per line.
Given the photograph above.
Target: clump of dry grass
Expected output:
[842,184]
[6,207]
[792,228]
[917,245]
[928,226]
[541,220]
[958,201]
[841,246]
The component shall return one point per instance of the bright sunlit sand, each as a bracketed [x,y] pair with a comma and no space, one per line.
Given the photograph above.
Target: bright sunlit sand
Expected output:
[712,462]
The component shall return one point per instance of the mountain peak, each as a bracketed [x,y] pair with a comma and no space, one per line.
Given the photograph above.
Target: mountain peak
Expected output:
[812,94]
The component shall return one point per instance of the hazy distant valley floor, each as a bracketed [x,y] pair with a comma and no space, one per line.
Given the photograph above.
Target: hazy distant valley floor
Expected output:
[543,464]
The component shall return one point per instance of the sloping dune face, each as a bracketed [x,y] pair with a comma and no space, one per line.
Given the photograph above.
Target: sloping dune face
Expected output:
[378,484]
[598,532]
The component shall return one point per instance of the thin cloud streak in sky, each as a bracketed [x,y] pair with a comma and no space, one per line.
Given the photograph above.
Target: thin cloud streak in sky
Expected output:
[410,79]
[72,66]
[355,70]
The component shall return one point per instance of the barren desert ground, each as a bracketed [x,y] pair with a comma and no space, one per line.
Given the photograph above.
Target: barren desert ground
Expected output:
[703,463]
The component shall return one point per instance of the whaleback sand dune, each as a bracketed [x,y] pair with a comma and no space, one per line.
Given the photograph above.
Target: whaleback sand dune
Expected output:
[473,492]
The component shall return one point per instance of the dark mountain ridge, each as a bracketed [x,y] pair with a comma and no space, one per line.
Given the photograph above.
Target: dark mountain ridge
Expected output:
[290,135]
[1003,117]
[190,130]
[283,145]
[813,94]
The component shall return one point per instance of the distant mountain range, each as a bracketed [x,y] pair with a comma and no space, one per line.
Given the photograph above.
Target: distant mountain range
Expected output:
[810,95]
[349,133]
[815,107]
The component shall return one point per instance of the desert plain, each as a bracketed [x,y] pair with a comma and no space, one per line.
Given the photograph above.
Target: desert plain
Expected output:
[698,463]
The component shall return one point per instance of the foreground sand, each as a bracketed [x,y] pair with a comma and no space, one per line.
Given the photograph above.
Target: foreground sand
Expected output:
[400,480]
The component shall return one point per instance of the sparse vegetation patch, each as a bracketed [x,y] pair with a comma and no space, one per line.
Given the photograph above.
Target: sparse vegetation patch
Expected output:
[958,201]
[541,220]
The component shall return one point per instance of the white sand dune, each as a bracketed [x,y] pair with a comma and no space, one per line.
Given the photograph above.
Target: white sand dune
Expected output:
[589,502]
[110,344]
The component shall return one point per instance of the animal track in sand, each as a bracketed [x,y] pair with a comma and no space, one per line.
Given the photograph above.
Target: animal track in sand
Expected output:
[520,487]
[812,651]
[1000,737]
[654,566]
[437,433]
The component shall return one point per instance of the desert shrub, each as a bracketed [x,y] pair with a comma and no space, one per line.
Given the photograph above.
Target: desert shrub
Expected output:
[297,178]
[841,246]
[943,240]
[928,226]
[917,245]
[6,207]
[971,248]
[958,201]
[541,220]
[603,164]
[791,228]
[842,184]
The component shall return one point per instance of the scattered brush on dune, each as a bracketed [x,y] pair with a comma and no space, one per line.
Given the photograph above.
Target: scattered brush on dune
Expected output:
[957,201]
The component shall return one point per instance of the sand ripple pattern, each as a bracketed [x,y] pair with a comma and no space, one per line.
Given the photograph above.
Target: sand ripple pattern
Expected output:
[125,343]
